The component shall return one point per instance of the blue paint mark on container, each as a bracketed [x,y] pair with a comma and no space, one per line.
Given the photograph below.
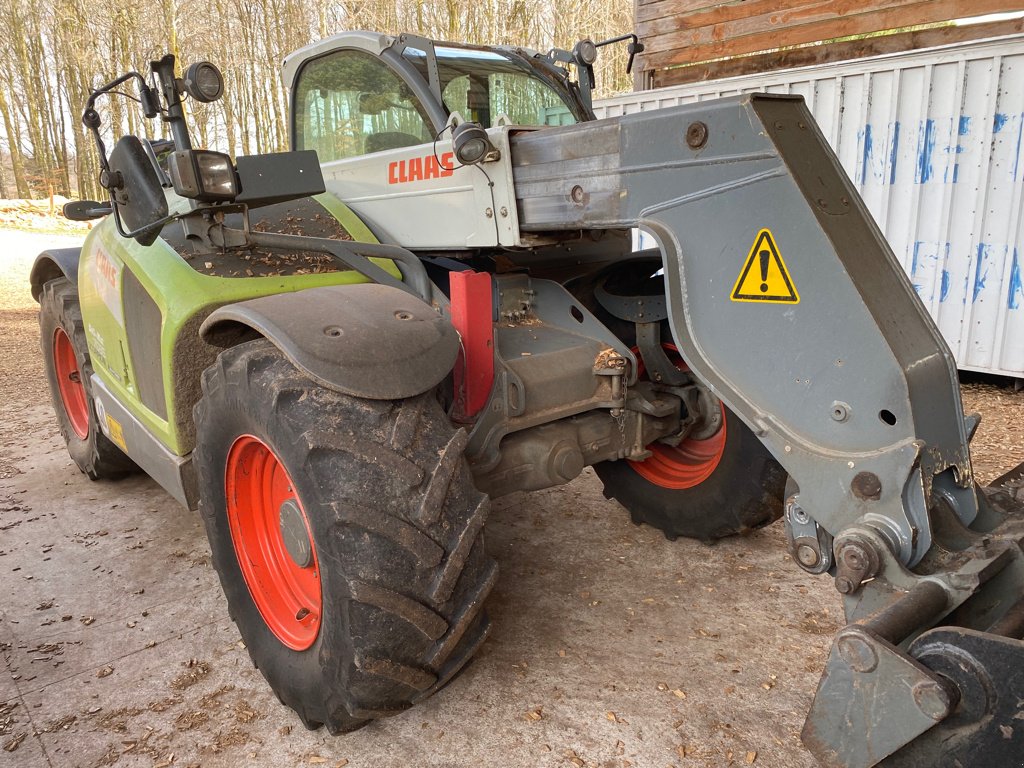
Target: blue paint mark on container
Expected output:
[924,152]
[955,149]
[1016,289]
[980,271]
[956,164]
[999,121]
[913,258]
[866,153]
[1016,157]
[965,125]
[944,287]
[893,151]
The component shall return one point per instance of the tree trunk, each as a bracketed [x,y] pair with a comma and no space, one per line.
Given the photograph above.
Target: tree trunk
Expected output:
[17,165]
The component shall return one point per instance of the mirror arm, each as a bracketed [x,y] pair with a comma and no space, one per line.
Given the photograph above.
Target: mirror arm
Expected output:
[149,103]
[159,224]
[634,47]
[91,118]
[101,210]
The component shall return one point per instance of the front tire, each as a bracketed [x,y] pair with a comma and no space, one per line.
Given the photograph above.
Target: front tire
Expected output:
[709,489]
[69,374]
[394,569]
[723,485]
[736,486]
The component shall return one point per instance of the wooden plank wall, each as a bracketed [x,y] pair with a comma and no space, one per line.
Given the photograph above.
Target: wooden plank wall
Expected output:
[688,40]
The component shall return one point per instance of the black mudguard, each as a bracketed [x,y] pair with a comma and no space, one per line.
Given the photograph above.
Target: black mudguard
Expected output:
[51,264]
[366,340]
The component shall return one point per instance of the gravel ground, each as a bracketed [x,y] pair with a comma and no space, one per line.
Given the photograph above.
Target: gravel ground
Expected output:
[998,444]
[21,367]
[610,647]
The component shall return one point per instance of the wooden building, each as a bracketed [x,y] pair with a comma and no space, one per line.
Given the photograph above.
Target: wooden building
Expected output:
[693,40]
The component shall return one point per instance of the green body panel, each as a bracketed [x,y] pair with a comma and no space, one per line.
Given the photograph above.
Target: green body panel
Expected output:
[182,295]
[347,218]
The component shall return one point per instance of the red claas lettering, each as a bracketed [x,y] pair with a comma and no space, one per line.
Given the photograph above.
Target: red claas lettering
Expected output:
[421,168]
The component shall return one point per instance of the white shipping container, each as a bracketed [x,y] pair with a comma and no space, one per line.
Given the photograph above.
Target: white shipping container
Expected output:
[932,140]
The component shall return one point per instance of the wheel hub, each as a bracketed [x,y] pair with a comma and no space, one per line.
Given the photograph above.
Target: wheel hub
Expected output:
[273,543]
[294,533]
[69,383]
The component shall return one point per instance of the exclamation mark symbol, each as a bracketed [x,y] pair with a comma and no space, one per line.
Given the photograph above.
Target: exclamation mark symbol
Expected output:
[765,255]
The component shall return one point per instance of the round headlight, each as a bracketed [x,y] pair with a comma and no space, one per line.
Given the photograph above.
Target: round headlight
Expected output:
[585,52]
[203,82]
[470,143]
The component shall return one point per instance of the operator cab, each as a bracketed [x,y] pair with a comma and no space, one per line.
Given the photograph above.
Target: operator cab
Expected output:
[360,93]
[398,124]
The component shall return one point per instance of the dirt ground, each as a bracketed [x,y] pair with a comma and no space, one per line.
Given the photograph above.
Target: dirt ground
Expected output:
[610,646]
[44,216]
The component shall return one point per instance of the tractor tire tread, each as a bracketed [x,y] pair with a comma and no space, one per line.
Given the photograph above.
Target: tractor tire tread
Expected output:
[96,456]
[402,551]
[431,624]
[749,495]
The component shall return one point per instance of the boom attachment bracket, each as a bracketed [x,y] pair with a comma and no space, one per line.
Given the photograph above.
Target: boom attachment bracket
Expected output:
[841,373]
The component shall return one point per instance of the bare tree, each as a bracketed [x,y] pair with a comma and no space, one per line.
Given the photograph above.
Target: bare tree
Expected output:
[56,51]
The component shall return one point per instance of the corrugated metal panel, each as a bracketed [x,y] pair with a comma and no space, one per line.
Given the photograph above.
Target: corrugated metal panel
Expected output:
[932,139]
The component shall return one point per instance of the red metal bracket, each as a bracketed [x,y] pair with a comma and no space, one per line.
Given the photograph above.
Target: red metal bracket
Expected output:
[472,316]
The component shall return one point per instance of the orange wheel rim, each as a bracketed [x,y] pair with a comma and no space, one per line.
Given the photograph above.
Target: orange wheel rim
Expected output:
[263,508]
[69,384]
[692,461]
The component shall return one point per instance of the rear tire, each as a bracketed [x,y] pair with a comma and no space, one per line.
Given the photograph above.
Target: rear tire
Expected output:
[69,374]
[393,518]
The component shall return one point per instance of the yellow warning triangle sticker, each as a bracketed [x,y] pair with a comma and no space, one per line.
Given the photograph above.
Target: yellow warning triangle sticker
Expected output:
[764,276]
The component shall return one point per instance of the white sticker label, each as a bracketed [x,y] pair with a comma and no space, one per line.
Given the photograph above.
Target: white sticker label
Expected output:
[108,284]
[101,412]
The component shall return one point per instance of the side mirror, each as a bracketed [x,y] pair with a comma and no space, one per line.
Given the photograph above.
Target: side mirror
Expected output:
[135,190]
[85,210]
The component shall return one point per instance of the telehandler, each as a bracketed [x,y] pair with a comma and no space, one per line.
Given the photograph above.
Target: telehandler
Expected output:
[338,354]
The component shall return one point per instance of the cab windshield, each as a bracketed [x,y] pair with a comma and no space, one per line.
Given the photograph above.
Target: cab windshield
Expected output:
[349,103]
[484,85]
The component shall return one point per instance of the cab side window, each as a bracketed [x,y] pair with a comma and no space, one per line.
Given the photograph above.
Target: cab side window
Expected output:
[350,103]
